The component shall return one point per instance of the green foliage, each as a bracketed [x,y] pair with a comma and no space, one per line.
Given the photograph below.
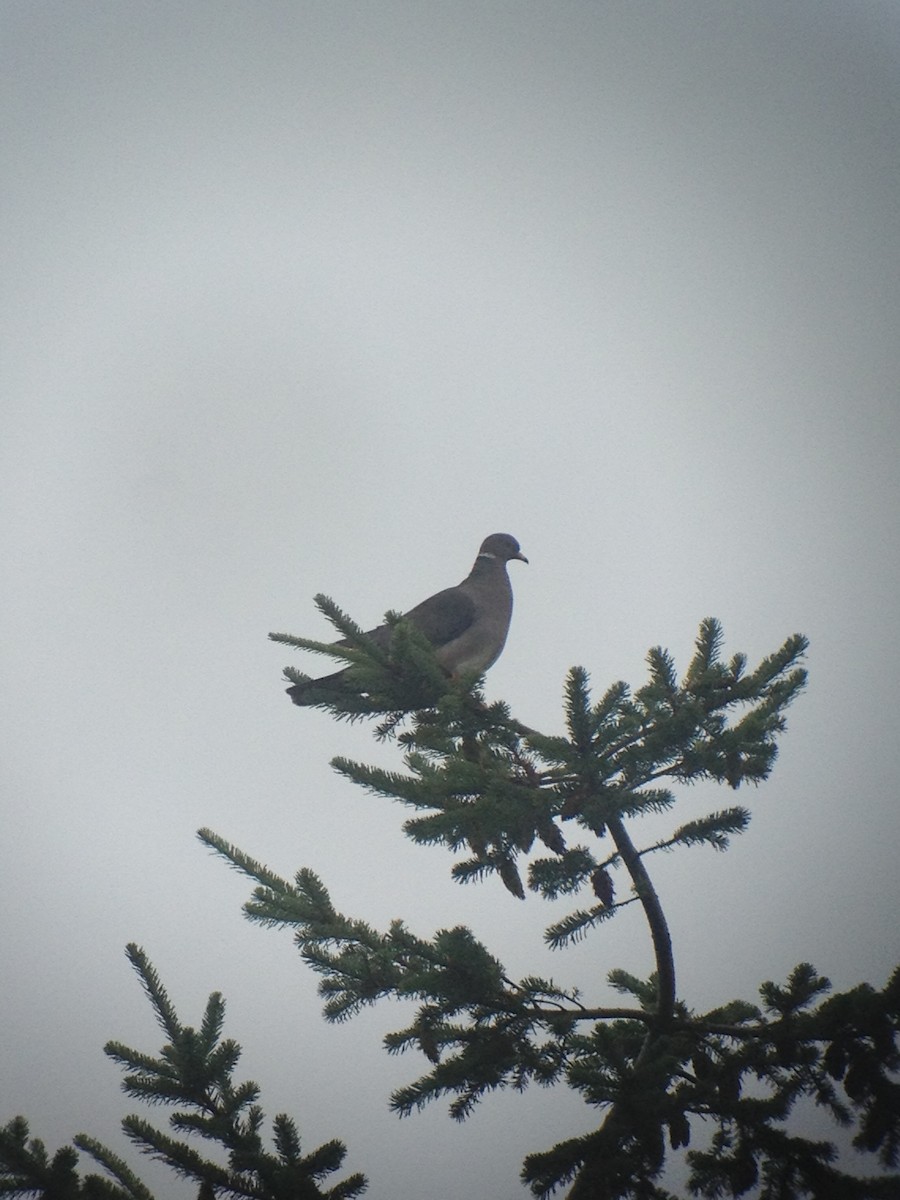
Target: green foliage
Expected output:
[27,1170]
[482,783]
[386,676]
[194,1071]
[552,815]
[505,800]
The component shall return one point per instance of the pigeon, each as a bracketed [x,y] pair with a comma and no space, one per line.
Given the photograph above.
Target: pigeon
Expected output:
[467,625]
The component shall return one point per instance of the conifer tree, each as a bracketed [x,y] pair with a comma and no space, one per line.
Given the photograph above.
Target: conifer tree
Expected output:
[556,816]
[194,1071]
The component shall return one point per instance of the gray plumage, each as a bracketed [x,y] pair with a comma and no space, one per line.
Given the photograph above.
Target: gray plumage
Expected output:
[466,624]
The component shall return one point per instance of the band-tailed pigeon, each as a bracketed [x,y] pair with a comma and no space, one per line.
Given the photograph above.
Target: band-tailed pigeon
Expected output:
[467,624]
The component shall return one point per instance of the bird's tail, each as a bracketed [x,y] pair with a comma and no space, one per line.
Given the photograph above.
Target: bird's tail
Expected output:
[316,691]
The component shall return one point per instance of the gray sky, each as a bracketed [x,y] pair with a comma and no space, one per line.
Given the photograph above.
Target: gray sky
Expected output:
[301,297]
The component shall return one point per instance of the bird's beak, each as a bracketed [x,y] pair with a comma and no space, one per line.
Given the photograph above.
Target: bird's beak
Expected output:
[521,557]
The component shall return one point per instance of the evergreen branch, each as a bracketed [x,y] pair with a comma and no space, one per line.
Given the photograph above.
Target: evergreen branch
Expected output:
[213,1022]
[182,1158]
[354,634]
[662,672]
[579,718]
[611,705]
[346,1189]
[131,1186]
[562,874]
[392,784]
[132,1060]
[195,1070]
[712,830]
[240,861]
[156,993]
[25,1165]
[347,654]
[708,645]
[326,1159]
[642,800]
[26,1169]
[357,645]
[575,925]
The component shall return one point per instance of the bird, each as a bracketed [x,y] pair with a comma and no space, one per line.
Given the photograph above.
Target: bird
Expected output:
[467,624]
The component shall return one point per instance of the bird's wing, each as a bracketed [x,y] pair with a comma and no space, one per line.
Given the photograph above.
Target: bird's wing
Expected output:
[444,617]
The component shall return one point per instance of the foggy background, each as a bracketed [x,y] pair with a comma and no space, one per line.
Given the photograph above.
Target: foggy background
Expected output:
[304,297]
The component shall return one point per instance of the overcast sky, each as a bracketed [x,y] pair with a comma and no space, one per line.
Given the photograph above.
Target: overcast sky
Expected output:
[303,297]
